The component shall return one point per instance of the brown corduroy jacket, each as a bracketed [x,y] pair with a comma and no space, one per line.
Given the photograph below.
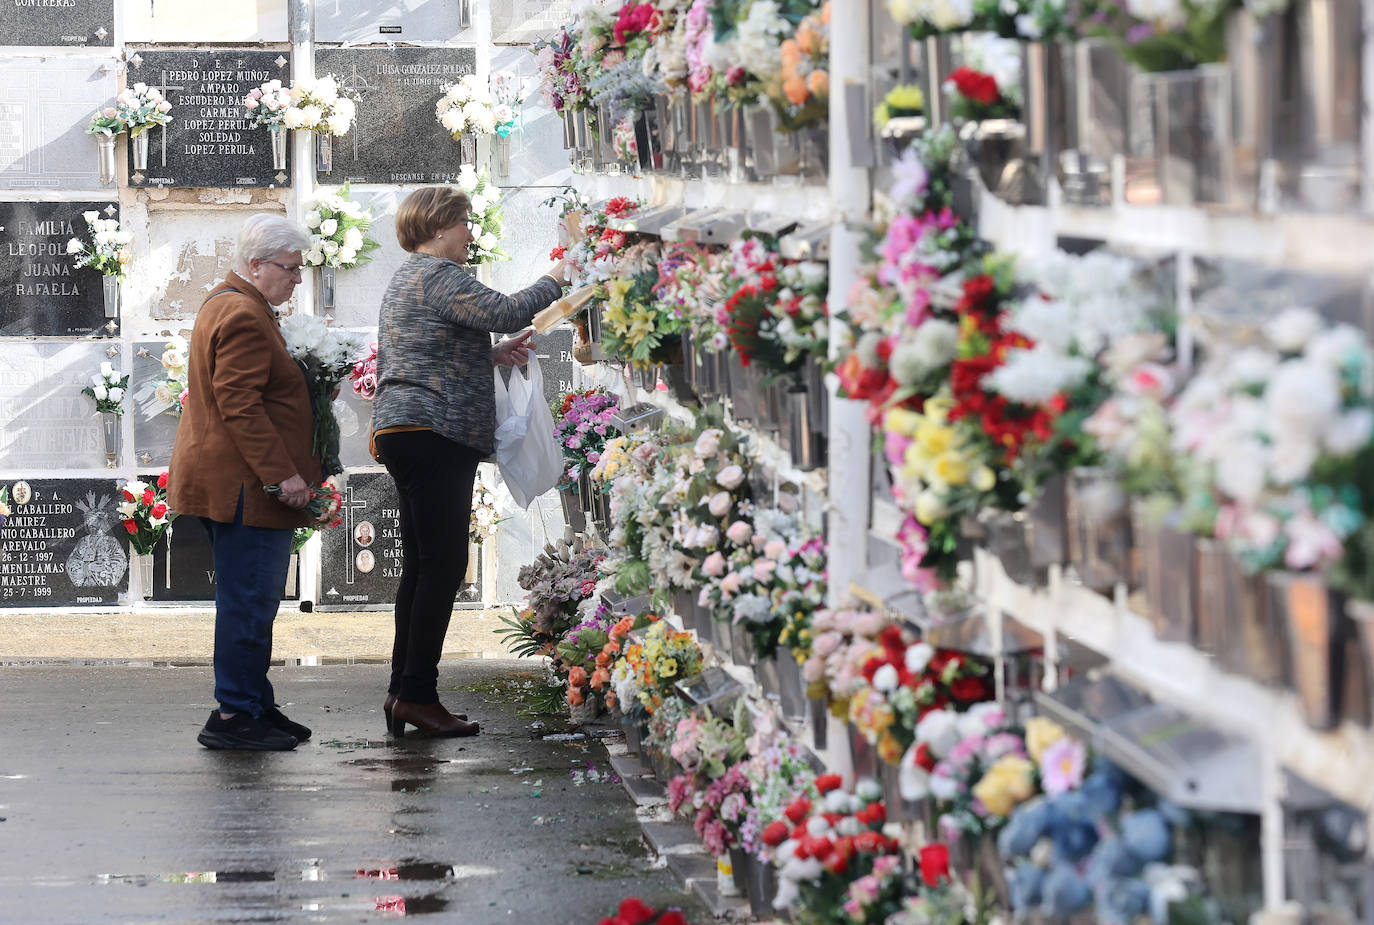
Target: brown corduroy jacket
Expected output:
[247,420]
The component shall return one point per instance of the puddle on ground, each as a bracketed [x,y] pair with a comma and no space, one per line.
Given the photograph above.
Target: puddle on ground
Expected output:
[408,870]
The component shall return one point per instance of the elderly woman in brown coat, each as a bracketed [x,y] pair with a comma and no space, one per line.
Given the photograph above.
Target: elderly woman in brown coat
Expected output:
[434,419]
[246,424]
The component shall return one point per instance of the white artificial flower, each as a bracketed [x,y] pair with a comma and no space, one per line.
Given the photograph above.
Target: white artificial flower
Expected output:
[885,679]
[116,393]
[1291,329]
[487,241]
[918,656]
[106,370]
[1337,347]
[311,115]
[101,393]
[91,217]
[1240,472]
[347,254]
[353,239]
[74,246]
[1036,375]
[329,226]
[339,124]
[939,729]
[1350,433]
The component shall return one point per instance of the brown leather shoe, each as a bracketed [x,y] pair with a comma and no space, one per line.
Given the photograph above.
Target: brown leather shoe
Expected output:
[431,719]
[391,702]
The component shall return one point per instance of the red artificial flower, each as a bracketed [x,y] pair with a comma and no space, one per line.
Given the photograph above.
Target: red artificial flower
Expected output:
[148,496]
[970,690]
[633,911]
[828,782]
[934,863]
[891,639]
[870,842]
[925,758]
[159,510]
[873,815]
[775,833]
[836,863]
[162,480]
[620,206]
[557,253]
[797,810]
[975,85]
[131,526]
[634,19]
[672,917]
[127,495]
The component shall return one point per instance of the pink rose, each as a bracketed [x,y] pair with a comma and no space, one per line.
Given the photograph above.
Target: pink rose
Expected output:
[714,566]
[763,569]
[739,533]
[730,584]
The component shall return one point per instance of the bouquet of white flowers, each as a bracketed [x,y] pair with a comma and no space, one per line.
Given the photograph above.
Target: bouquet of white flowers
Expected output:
[485,514]
[268,104]
[338,232]
[486,210]
[467,108]
[320,106]
[107,388]
[326,355]
[108,251]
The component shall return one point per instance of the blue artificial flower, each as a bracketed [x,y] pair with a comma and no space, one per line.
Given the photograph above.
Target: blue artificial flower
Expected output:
[1024,884]
[1026,826]
[1122,901]
[1071,805]
[1102,790]
[1074,839]
[1111,860]
[1146,835]
[1064,892]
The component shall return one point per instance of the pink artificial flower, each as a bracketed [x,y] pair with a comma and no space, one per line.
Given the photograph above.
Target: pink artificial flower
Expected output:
[714,566]
[1061,766]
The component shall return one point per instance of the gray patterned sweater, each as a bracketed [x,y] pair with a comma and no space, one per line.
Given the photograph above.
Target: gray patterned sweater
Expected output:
[434,364]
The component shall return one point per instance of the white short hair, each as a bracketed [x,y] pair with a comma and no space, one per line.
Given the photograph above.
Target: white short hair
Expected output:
[265,235]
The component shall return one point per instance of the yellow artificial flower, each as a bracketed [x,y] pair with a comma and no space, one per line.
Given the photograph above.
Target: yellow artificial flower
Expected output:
[901,421]
[930,507]
[934,439]
[889,749]
[951,468]
[1041,733]
[938,407]
[642,323]
[1006,783]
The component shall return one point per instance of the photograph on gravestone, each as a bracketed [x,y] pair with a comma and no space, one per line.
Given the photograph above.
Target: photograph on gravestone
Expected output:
[64,544]
[396,138]
[519,22]
[61,23]
[389,21]
[45,105]
[209,142]
[184,566]
[50,424]
[155,425]
[354,576]
[44,294]
[216,21]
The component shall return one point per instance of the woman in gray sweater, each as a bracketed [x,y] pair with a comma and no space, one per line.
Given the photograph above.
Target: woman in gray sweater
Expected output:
[433,420]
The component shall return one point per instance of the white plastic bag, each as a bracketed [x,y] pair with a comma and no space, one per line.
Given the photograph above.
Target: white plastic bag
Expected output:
[526,451]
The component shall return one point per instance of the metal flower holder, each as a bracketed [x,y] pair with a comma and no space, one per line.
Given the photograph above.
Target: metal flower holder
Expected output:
[1313,621]
[110,431]
[738,163]
[1180,145]
[1361,615]
[805,439]
[1254,642]
[324,152]
[743,385]
[143,565]
[1100,547]
[1096,81]
[139,144]
[1167,565]
[324,289]
[111,295]
[573,514]
[279,139]
[108,164]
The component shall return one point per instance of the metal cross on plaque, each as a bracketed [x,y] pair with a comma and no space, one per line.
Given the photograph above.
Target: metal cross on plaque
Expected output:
[357,86]
[347,508]
[165,89]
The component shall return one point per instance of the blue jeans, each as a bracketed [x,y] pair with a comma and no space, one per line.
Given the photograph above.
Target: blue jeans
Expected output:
[250,572]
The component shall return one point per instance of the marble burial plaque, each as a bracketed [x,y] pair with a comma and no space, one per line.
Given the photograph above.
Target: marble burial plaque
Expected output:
[45,295]
[184,565]
[154,431]
[62,543]
[354,415]
[45,104]
[209,141]
[519,22]
[556,362]
[537,155]
[396,138]
[360,560]
[358,292]
[392,21]
[58,22]
[49,424]
[529,231]
[218,21]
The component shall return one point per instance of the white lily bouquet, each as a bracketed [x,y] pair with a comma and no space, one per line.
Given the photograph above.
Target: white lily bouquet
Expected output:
[326,355]
[136,110]
[486,211]
[108,250]
[268,104]
[107,388]
[467,108]
[166,395]
[338,232]
[320,105]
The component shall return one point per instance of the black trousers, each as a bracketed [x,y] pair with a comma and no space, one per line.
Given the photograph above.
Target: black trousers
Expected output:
[434,477]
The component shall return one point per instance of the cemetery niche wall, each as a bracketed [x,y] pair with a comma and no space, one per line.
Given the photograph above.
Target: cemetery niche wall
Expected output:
[62,543]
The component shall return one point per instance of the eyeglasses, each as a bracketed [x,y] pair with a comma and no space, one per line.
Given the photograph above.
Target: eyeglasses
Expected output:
[474,226]
[290,271]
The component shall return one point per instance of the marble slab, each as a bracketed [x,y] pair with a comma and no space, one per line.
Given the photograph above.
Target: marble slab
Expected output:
[45,295]
[390,21]
[45,105]
[519,22]
[220,21]
[69,23]
[537,155]
[49,424]
[360,566]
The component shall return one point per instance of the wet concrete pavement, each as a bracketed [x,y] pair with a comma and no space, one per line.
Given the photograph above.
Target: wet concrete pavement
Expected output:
[113,813]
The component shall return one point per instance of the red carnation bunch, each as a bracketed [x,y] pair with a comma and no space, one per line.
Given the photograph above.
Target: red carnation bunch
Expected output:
[634,911]
[145,514]
[621,206]
[324,504]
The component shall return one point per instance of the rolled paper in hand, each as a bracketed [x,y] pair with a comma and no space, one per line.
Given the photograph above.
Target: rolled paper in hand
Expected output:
[572,228]
[563,309]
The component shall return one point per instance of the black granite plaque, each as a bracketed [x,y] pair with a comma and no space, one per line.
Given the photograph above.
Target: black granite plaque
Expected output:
[44,294]
[184,565]
[57,22]
[396,138]
[62,543]
[556,362]
[360,562]
[209,141]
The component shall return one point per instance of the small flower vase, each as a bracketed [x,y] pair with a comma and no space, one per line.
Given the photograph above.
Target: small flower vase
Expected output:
[585,712]
[279,138]
[140,144]
[109,423]
[573,515]
[143,564]
[324,152]
[725,877]
[111,283]
[474,557]
[107,159]
[503,157]
[324,291]
[467,149]
[1310,616]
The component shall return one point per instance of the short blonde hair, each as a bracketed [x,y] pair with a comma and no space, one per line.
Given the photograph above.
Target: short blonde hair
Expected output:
[424,212]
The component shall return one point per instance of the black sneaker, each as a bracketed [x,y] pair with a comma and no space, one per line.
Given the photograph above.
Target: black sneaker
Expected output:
[242,731]
[277,720]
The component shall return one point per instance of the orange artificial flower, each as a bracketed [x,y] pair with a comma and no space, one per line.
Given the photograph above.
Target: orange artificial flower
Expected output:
[600,678]
[819,83]
[575,696]
[794,88]
[807,39]
[577,676]
[603,659]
